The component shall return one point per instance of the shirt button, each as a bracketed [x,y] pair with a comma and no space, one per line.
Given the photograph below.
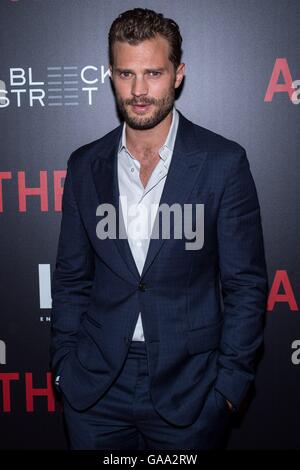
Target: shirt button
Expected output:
[132,170]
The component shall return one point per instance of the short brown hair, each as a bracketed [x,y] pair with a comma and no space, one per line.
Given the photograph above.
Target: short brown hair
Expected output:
[139,24]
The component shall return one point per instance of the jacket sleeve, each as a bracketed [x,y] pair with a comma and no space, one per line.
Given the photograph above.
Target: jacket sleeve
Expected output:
[72,279]
[244,282]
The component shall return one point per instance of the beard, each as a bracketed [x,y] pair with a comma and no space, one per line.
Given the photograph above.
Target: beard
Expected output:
[162,108]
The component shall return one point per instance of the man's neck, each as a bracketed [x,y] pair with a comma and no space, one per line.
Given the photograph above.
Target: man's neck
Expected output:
[148,139]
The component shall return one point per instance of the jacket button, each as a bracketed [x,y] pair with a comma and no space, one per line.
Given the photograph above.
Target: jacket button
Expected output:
[142,286]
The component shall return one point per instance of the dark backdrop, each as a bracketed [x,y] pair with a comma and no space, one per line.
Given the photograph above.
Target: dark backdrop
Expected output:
[55,96]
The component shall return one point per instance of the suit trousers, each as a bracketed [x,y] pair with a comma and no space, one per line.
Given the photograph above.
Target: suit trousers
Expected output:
[124,418]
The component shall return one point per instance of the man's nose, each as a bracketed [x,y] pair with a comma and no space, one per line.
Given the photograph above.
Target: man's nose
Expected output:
[139,86]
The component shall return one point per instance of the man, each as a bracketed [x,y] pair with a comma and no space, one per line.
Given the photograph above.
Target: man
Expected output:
[154,341]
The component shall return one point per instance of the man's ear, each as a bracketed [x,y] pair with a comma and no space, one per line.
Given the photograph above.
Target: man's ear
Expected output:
[179,74]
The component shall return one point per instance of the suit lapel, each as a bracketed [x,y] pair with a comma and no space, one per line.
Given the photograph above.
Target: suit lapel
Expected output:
[105,174]
[184,170]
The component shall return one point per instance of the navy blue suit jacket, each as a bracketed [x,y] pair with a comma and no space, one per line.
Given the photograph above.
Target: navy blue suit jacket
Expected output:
[202,310]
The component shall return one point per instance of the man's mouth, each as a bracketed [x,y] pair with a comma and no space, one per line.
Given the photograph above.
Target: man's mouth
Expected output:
[140,107]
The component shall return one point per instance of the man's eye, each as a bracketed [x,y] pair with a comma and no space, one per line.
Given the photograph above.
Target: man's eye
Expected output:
[125,74]
[154,73]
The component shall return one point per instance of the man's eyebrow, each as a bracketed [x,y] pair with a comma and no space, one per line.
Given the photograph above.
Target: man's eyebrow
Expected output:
[156,69]
[118,69]
[152,69]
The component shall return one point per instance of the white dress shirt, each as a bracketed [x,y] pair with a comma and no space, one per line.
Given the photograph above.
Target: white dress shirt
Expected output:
[139,204]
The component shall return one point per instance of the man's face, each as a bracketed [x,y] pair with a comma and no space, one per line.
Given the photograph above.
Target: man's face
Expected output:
[144,81]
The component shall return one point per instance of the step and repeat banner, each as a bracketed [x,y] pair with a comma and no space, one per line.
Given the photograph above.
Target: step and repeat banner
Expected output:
[242,81]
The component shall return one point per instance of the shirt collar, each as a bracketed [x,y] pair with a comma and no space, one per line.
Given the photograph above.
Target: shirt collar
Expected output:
[166,149]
